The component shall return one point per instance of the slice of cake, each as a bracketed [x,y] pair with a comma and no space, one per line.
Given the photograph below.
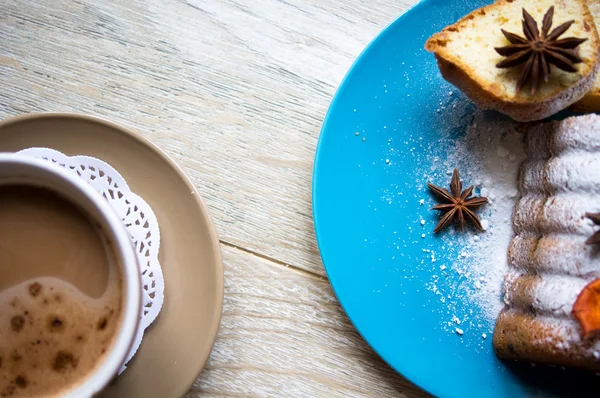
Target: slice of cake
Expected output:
[550,261]
[591,101]
[468,56]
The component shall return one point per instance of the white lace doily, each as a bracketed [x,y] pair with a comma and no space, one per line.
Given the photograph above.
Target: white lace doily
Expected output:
[139,219]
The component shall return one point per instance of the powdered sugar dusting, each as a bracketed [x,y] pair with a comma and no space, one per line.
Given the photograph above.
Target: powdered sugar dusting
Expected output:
[488,156]
[456,275]
[549,294]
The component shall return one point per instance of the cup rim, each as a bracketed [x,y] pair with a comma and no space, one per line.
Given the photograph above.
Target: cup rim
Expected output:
[131,280]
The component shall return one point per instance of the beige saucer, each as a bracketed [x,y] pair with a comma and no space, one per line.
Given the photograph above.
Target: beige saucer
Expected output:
[176,347]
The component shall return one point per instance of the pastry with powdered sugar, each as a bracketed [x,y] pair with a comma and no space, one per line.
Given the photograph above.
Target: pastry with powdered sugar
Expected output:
[551,260]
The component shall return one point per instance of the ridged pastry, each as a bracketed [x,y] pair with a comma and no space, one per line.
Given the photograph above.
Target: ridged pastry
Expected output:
[549,260]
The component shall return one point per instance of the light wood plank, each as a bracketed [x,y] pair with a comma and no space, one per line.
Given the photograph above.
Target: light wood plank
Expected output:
[284,334]
[236,91]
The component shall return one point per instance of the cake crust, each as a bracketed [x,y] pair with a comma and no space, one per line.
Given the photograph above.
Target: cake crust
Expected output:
[549,260]
[466,58]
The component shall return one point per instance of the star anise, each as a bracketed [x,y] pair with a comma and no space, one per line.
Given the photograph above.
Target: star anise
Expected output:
[459,206]
[595,238]
[538,51]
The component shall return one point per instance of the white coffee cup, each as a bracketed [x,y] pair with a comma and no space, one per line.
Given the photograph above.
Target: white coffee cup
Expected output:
[24,170]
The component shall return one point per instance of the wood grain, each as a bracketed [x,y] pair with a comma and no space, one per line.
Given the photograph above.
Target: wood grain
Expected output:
[236,92]
[284,334]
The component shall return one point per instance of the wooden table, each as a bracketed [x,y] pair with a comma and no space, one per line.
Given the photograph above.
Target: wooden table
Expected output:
[235,91]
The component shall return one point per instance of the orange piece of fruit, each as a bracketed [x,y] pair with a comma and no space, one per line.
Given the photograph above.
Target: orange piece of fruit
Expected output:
[587,309]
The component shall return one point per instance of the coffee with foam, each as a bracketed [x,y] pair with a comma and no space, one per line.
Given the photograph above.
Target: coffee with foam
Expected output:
[60,294]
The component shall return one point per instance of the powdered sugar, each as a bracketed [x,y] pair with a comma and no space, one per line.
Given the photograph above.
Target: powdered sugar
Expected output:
[488,156]
[549,295]
[462,271]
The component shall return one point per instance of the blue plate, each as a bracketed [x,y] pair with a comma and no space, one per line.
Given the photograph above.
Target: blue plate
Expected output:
[379,136]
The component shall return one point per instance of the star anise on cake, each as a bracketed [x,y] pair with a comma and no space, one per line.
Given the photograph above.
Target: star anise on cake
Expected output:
[595,238]
[460,204]
[539,50]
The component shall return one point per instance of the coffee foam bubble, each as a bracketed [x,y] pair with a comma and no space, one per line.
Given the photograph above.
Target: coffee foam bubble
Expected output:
[52,336]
